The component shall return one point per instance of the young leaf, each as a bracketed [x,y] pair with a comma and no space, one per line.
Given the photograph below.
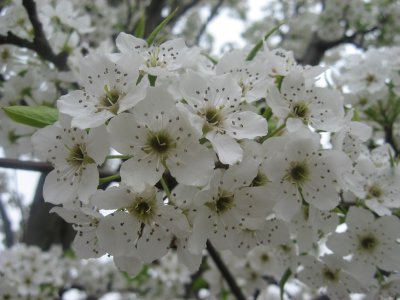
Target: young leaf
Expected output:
[258,46]
[36,116]
[283,280]
[160,26]
[140,26]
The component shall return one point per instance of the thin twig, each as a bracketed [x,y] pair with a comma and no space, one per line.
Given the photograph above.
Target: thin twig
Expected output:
[230,280]
[213,14]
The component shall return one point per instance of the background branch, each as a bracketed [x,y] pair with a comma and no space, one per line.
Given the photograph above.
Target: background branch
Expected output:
[213,14]
[40,43]
[230,280]
[9,234]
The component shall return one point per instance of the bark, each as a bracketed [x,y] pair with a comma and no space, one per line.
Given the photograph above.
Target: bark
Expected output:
[44,229]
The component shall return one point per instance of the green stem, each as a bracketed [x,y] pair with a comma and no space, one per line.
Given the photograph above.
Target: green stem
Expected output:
[166,189]
[109,179]
[274,132]
[118,156]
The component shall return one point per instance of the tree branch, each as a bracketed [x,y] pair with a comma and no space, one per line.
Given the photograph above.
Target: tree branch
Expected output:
[28,165]
[40,43]
[230,280]
[10,163]
[316,48]
[213,14]
[9,234]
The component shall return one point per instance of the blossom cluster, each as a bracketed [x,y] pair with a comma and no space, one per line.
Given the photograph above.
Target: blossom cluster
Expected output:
[227,152]
[30,273]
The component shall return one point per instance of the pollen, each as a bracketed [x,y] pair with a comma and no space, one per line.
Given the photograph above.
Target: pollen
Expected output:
[159,143]
[300,110]
[144,209]
[298,172]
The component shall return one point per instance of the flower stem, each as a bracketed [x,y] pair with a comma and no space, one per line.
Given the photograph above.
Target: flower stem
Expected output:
[166,190]
[274,132]
[109,179]
[118,156]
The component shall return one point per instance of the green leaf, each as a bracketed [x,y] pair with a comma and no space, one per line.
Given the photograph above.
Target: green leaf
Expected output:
[36,116]
[258,46]
[140,26]
[160,26]
[283,281]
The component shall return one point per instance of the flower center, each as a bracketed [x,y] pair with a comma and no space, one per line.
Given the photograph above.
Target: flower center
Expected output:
[159,143]
[213,119]
[78,156]
[144,209]
[374,192]
[298,172]
[225,202]
[110,100]
[370,78]
[300,110]
[260,180]
[264,257]
[368,243]
[330,275]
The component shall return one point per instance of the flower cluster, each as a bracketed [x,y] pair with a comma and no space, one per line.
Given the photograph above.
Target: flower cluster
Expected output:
[30,273]
[228,153]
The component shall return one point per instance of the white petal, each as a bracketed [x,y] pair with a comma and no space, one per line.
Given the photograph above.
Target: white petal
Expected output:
[245,125]
[97,144]
[75,217]
[202,227]
[117,233]
[112,198]
[88,182]
[127,43]
[85,245]
[228,150]
[141,170]
[126,135]
[153,244]
[130,265]
[193,165]
[58,191]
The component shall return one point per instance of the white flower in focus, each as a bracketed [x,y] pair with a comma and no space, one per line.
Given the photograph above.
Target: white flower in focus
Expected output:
[320,108]
[158,138]
[75,154]
[162,60]
[142,226]
[301,171]
[350,138]
[109,87]
[213,109]
[222,208]
[85,244]
[249,75]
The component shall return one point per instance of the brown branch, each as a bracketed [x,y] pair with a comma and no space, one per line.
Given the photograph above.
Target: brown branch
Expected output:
[10,163]
[230,280]
[213,14]
[316,48]
[9,234]
[40,43]
[28,165]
